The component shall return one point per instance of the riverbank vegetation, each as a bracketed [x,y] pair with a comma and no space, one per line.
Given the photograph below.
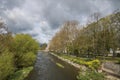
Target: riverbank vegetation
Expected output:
[21,74]
[92,64]
[90,69]
[98,40]
[90,75]
[43,46]
[17,54]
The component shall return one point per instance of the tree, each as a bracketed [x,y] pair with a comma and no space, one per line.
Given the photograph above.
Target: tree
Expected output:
[24,48]
[6,57]
[15,52]
[43,46]
[95,39]
[62,41]
[6,65]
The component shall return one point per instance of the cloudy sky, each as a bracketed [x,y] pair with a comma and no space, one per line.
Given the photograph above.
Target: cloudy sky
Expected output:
[42,18]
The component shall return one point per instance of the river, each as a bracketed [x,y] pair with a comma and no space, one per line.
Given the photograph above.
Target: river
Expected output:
[48,67]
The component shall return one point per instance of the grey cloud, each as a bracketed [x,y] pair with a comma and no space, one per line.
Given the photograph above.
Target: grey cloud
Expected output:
[9,4]
[57,11]
[30,13]
[17,28]
[116,4]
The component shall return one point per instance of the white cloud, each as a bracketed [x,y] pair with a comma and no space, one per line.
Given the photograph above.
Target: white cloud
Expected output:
[42,18]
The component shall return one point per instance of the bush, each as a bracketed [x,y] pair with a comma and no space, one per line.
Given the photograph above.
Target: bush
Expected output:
[6,65]
[90,75]
[27,60]
[21,74]
[94,65]
[24,48]
[15,53]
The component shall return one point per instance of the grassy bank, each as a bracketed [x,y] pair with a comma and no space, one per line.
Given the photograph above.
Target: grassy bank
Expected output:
[90,63]
[90,72]
[21,74]
[93,69]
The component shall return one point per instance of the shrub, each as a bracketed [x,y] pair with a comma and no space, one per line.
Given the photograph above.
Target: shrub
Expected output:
[94,65]
[90,75]
[6,65]
[24,48]
[21,74]
[27,60]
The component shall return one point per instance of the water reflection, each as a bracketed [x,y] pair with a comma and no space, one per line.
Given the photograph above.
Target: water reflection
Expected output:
[48,67]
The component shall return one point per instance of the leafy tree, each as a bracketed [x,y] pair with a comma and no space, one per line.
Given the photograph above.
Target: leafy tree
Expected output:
[6,57]
[15,52]
[63,39]
[6,65]
[27,60]
[94,39]
[43,46]
[24,49]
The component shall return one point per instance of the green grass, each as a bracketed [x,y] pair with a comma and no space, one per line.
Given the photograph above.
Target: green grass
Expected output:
[108,58]
[21,74]
[90,75]
[90,63]
[60,65]
[74,59]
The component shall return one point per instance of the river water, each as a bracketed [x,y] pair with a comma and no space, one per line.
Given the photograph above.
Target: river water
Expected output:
[48,67]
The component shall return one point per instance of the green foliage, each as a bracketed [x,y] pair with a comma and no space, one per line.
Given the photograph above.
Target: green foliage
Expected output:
[6,64]
[90,75]
[15,53]
[43,46]
[21,74]
[24,49]
[94,65]
[94,39]
[25,43]
[60,65]
[62,40]
[27,60]
[6,57]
